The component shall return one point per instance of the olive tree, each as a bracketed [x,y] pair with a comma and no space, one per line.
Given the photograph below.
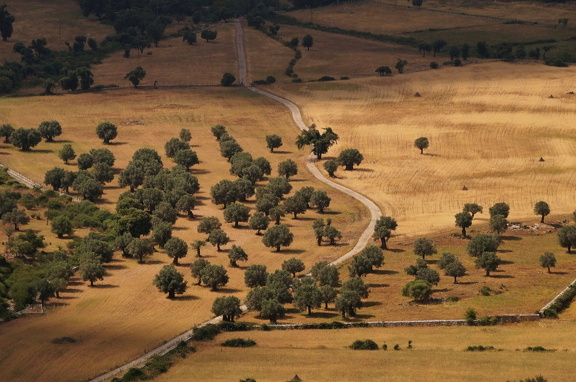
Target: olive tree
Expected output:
[421,144]
[106,131]
[350,157]
[170,281]
[541,208]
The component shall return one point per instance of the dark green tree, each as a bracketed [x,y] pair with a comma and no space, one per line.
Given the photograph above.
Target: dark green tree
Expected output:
[208,35]
[293,266]
[61,225]
[400,64]
[228,307]
[135,76]
[308,41]
[498,223]
[325,274]
[567,237]
[174,145]
[258,221]
[295,205]
[227,79]
[196,269]
[360,266]
[170,281]
[348,302]
[455,269]
[91,270]
[332,234]
[208,224]
[328,294]
[331,166]
[255,275]
[278,236]
[24,139]
[87,187]
[547,260]
[273,142]
[186,158]
[419,290]
[140,248]
[287,168]
[103,173]
[106,131]
[197,246]
[218,238]
[499,209]
[67,153]
[488,261]
[6,21]
[383,229]
[161,232]
[320,142]
[236,212]
[15,217]
[272,309]
[214,275]
[472,209]
[218,131]
[224,192]
[236,254]
[49,130]
[437,46]
[424,247]
[6,131]
[350,157]
[421,144]
[307,296]
[85,161]
[320,200]
[485,243]
[463,220]
[383,70]
[176,248]
[445,259]
[541,208]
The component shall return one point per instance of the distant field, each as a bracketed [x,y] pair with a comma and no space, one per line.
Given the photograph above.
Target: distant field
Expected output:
[174,62]
[438,354]
[60,22]
[487,131]
[97,317]
[457,22]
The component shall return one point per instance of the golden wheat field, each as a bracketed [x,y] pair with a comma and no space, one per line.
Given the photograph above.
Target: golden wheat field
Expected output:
[488,126]
[97,317]
[438,354]
[56,21]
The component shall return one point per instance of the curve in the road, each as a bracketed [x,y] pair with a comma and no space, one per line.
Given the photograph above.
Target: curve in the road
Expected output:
[375,212]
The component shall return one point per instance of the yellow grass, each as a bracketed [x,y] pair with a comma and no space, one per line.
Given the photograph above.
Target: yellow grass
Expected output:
[97,317]
[486,128]
[438,355]
[174,62]
[56,21]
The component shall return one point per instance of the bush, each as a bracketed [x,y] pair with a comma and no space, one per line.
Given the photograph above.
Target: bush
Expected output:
[396,347]
[538,349]
[239,343]
[297,80]
[457,62]
[470,316]
[479,348]
[452,299]
[434,65]
[158,364]
[205,333]
[270,79]
[235,326]
[133,374]
[326,78]
[488,321]
[364,345]
[485,291]
[561,303]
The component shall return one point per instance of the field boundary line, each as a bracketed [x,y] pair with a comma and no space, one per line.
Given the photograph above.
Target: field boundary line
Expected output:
[571,285]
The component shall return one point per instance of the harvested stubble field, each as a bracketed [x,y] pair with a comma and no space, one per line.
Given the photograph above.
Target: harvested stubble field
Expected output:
[56,21]
[457,22]
[174,62]
[488,126]
[96,317]
[438,354]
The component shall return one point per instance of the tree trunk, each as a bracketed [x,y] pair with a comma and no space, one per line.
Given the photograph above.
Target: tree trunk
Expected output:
[319,240]
[175,261]
[542,220]
[171,293]
[91,282]
[309,310]
[548,272]
[198,252]
[350,167]
[277,248]
[383,246]
[295,215]
[326,305]
[455,281]
[58,293]
[218,247]
[236,224]
[421,151]
[487,273]
[464,232]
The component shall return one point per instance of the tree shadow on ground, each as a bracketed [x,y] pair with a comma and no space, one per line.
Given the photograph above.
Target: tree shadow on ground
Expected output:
[104,286]
[384,272]
[395,250]
[226,290]
[511,238]
[372,303]
[502,276]
[292,251]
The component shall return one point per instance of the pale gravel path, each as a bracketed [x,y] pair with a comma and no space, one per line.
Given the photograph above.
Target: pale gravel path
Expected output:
[375,212]
[297,117]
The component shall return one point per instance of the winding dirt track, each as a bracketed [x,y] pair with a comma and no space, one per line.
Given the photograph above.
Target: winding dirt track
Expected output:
[297,117]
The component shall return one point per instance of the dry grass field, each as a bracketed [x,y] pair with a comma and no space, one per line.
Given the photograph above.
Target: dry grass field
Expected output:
[174,62]
[97,316]
[456,22]
[487,131]
[438,354]
[56,21]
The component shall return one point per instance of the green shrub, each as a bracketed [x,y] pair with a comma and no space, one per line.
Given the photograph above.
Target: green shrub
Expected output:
[485,291]
[326,78]
[158,364]
[479,348]
[538,349]
[205,333]
[434,65]
[488,321]
[364,345]
[452,299]
[470,316]
[238,343]
[270,79]
[235,326]
[396,347]
[133,374]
